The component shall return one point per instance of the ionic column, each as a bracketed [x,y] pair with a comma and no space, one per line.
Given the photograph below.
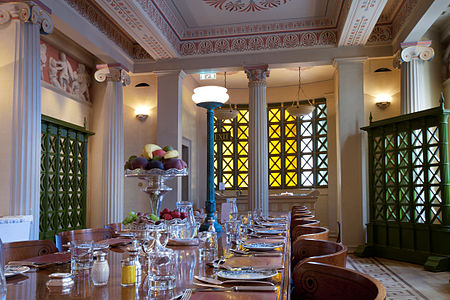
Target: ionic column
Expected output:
[258,155]
[112,154]
[412,93]
[22,23]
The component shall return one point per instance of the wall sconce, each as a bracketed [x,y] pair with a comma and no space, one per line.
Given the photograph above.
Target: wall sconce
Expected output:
[142,113]
[383,101]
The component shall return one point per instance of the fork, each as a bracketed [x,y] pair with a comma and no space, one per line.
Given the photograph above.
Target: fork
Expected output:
[186,294]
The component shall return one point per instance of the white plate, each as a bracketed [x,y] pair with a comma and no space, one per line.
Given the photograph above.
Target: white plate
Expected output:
[14,270]
[246,274]
[262,246]
[269,231]
[271,219]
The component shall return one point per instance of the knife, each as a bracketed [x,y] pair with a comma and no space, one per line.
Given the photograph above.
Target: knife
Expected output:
[238,289]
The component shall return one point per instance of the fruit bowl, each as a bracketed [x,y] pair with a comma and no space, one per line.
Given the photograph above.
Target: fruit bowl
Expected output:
[140,173]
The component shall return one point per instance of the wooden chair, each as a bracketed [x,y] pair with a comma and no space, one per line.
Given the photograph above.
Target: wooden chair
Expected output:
[301,213]
[298,207]
[327,252]
[90,234]
[307,217]
[26,249]
[302,222]
[320,281]
[309,232]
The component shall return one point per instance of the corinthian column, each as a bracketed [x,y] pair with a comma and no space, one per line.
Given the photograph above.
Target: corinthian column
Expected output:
[20,109]
[258,155]
[413,55]
[112,142]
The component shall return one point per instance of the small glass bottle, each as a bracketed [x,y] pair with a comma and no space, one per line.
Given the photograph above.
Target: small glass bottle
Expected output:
[211,225]
[128,272]
[134,255]
[100,270]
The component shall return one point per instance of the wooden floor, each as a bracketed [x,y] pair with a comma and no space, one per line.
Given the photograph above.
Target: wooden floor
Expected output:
[403,280]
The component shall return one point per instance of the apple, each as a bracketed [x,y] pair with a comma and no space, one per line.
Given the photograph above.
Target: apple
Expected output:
[159,153]
[168,148]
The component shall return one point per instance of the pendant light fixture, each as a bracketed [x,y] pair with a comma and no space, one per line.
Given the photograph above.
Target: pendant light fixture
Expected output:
[297,109]
[225,113]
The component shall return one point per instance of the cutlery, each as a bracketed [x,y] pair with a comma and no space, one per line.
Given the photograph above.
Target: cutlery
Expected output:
[219,282]
[256,254]
[261,269]
[238,289]
[186,294]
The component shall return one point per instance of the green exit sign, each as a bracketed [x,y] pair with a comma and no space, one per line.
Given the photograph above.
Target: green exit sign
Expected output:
[222,136]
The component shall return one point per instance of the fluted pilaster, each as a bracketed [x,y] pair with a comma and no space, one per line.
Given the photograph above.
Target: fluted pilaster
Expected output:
[25,21]
[258,155]
[413,56]
[113,156]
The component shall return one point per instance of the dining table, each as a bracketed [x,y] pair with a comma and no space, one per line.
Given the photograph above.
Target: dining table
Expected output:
[32,284]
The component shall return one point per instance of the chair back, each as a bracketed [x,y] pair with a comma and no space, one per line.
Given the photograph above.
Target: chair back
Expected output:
[309,232]
[90,234]
[303,222]
[26,249]
[327,252]
[298,207]
[320,281]
[302,213]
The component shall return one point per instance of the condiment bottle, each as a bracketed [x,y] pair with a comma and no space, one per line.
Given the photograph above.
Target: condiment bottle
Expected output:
[128,272]
[100,270]
[134,255]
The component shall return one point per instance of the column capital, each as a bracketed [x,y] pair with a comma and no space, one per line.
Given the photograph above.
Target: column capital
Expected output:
[27,11]
[113,72]
[416,50]
[257,74]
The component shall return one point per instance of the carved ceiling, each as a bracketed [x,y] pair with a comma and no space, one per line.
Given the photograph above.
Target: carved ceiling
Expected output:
[166,29]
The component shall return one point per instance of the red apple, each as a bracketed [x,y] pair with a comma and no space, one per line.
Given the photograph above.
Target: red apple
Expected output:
[159,152]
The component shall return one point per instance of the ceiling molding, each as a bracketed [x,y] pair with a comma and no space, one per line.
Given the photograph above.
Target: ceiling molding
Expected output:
[135,20]
[360,21]
[275,59]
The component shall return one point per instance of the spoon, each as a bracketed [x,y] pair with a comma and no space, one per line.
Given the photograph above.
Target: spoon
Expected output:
[219,282]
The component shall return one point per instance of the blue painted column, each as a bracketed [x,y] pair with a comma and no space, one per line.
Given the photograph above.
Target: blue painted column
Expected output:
[210,199]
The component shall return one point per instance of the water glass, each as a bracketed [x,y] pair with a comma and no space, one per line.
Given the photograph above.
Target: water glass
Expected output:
[161,269]
[233,229]
[207,245]
[81,257]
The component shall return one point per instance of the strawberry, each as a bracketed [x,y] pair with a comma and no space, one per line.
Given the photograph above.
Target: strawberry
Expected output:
[168,217]
[183,215]
[166,211]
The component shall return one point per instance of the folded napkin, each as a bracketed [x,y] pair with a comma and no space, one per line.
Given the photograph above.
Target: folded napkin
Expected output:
[114,242]
[233,295]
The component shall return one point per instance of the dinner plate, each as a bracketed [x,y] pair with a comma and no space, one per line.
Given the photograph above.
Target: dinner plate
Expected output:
[246,274]
[269,231]
[271,219]
[262,246]
[15,270]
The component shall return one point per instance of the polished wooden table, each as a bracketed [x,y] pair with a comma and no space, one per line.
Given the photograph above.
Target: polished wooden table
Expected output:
[31,285]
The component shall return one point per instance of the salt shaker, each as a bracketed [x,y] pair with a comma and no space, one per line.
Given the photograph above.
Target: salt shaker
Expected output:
[100,270]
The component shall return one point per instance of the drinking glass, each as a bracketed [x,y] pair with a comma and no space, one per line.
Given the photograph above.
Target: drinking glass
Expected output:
[161,269]
[81,257]
[207,245]
[2,271]
[233,230]
[185,208]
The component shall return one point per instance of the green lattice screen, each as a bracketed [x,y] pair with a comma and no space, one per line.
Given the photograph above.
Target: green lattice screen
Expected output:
[297,148]
[63,177]
[409,187]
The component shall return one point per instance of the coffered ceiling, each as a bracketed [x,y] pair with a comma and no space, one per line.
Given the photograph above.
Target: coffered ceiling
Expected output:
[179,28]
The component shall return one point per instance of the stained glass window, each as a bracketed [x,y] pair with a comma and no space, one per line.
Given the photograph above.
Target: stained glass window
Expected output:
[297,148]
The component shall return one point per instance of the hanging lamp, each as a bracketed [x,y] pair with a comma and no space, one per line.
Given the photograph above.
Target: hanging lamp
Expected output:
[226,113]
[298,109]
